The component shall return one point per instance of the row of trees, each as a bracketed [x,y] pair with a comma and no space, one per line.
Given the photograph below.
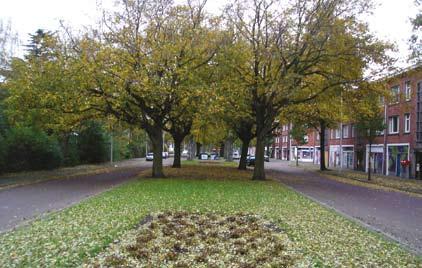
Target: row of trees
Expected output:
[160,67]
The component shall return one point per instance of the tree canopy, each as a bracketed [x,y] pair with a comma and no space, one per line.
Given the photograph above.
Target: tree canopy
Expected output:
[162,66]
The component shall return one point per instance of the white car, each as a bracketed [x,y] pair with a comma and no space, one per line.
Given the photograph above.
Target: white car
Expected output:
[236,156]
[185,153]
[150,156]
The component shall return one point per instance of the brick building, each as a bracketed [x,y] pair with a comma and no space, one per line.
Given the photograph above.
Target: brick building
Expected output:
[401,140]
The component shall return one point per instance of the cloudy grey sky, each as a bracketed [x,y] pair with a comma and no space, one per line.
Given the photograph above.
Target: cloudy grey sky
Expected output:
[390,20]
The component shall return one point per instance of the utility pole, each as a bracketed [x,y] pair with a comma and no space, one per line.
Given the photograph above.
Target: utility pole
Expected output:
[146,144]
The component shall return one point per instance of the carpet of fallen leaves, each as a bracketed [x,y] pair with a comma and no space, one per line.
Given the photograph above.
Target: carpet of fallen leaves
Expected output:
[183,239]
[323,238]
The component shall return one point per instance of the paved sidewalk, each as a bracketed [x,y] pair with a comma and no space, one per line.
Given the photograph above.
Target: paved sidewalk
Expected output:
[398,215]
[26,202]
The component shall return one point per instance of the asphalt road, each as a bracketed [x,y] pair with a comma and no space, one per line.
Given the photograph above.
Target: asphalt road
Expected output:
[397,215]
[20,204]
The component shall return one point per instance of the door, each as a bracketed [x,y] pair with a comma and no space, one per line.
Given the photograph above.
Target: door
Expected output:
[398,165]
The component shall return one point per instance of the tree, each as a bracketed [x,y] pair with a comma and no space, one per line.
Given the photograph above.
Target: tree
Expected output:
[31,149]
[144,62]
[298,133]
[233,98]
[320,114]
[287,48]
[415,41]
[8,43]
[368,113]
[369,127]
[179,126]
[245,132]
[41,89]
[92,143]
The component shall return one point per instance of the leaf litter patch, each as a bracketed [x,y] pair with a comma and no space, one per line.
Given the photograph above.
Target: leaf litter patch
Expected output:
[182,239]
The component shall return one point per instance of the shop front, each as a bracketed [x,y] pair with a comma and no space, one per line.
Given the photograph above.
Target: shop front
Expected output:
[397,154]
[377,158]
[348,157]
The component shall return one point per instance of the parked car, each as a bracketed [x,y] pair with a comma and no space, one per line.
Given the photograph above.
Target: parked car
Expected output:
[250,160]
[204,156]
[150,156]
[214,156]
[236,156]
[185,153]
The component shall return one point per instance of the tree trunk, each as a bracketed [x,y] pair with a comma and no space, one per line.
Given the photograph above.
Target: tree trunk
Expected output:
[191,149]
[322,166]
[244,154]
[229,150]
[198,149]
[156,136]
[177,152]
[297,156]
[259,170]
[369,162]
[273,152]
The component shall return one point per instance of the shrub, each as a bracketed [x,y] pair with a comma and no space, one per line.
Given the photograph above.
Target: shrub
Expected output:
[92,143]
[135,150]
[29,149]
[69,145]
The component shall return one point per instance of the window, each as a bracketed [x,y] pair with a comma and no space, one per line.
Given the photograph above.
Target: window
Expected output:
[337,133]
[407,90]
[393,125]
[395,94]
[345,131]
[406,123]
[353,131]
[317,136]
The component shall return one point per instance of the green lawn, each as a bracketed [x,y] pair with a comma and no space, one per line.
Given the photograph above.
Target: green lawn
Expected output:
[321,236]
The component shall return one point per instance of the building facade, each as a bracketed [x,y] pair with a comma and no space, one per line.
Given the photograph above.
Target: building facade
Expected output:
[400,141]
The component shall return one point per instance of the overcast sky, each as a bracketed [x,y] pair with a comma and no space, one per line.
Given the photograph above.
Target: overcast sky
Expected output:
[390,20]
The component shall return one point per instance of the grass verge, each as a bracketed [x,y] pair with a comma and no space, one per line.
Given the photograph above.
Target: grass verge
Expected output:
[211,162]
[403,185]
[386,183]
[10,180]
[76,234]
